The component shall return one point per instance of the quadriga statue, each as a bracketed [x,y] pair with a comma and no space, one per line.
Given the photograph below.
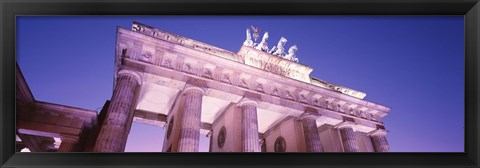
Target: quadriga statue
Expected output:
[248,41]
[291,53]
[263,46]
[279,50]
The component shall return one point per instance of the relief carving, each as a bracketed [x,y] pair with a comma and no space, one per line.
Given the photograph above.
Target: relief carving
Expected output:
[241,58]
[288,95]
[303,99]
[168,63]
[136,28]
[351,111]
[340,108]
[372,116]
[315,102]
[188,68]
[280,144]
[222,136]
[328,104]
[259,87]
[275,92]
[207,73]
[362,114]
[226,78]
[146,57]
[243,83]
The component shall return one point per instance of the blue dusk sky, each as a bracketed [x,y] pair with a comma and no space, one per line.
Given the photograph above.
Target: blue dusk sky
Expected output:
[412,64]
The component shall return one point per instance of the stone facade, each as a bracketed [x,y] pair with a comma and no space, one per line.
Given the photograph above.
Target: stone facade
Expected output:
[249,101]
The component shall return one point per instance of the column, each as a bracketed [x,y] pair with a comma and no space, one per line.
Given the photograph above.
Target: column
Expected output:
[250,138]
[68,144]
[310,132]
[111,135]
[190,126]
[379,140]
[348,137]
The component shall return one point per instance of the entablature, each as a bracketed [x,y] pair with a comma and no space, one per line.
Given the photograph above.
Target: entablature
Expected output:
[268,99]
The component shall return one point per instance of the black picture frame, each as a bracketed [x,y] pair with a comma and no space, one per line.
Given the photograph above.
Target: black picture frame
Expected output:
[10,9]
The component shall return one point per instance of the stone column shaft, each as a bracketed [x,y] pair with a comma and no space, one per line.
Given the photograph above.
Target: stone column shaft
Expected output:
[348,139]
[380,143]
[112,133]
[312,137]
[190,131]
[250,139]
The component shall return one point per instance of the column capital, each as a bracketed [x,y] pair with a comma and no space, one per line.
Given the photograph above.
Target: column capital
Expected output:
[345,124]
[378,132]
[135,74]
[246,101]
[69,138]
[191,87]
[308,115]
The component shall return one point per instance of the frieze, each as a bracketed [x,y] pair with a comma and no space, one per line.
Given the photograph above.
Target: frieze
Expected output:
[146,57]
[226,78]
[288,95]
[207,73]
[188,68]
[351,111]
[275,92]
[320,101]
[373,117]
[303,99]
[340,108]
[356,111]
[362,114]
[168,63]
[259,87]
[329,105]
[243,83]
[315,102]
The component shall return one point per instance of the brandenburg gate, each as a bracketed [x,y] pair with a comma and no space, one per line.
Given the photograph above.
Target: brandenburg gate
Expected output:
[255,100]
